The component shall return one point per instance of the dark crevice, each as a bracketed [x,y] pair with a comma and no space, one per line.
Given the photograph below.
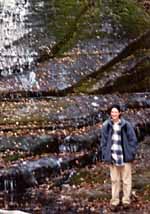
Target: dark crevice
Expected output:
[140,42]
[136,77]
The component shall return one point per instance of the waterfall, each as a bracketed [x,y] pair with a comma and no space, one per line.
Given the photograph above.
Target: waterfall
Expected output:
[14,54]
[9,185]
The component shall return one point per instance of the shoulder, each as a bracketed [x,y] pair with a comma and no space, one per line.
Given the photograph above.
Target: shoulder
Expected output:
[126,123]
[106,123]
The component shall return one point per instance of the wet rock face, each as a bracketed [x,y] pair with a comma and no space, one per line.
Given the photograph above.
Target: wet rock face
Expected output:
[70,49]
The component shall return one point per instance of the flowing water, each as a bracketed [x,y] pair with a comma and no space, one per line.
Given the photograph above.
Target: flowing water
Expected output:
[13,18]
[24,29]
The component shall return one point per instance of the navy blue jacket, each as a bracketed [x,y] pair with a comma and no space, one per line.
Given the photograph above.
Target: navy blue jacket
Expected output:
[128,140]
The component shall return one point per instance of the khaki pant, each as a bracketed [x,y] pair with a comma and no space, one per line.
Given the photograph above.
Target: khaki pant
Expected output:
[117,174]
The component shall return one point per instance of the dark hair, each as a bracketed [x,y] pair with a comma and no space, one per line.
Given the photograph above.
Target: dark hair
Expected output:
[117,106]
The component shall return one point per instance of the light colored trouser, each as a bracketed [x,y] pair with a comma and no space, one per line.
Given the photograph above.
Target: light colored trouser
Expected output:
[117,174]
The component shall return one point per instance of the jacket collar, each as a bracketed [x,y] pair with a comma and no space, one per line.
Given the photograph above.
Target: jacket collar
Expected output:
[123,121]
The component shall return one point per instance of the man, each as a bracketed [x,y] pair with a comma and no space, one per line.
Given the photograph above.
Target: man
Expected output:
[119,145]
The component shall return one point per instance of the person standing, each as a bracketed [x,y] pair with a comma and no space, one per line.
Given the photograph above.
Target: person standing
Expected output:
[118,147]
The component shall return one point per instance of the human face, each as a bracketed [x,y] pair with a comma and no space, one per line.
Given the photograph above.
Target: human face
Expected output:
[115,114]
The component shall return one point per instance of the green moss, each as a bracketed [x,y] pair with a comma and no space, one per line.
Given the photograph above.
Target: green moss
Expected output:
[85,86]
[80,21]
[14,157]
[84,24]
[131,16]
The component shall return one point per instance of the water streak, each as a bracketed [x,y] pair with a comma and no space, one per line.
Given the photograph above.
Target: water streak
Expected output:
[13,18]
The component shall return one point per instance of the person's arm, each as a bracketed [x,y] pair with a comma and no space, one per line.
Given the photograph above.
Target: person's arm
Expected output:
[103,140]
[132,138]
